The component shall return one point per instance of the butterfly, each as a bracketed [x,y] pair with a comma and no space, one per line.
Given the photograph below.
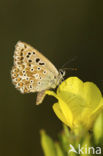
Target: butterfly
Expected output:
[33,72]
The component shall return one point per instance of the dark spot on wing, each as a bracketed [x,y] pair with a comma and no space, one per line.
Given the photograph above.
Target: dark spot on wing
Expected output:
[30,60]
[25,46]
[22,58]
[41,63]
[37,60]
[22,49]
[27,56]
[38,68]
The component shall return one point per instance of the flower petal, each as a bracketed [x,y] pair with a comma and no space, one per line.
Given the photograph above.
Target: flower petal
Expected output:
[63,112]
[79,103]
[71,93]
[59,113]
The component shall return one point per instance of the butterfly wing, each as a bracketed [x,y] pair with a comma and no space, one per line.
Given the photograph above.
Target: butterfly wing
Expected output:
[32,72]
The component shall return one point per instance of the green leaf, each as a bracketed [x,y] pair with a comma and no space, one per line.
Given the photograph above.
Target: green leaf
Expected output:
[72,154]
[86,143]
[64,141]
[66,130]
[98,129]
[59,151]
[47,144]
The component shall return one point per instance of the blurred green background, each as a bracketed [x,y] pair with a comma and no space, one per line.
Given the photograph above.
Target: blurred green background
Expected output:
[61,30]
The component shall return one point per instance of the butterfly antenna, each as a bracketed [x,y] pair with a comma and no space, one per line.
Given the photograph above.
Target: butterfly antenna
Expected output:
[74,69]
[69,61]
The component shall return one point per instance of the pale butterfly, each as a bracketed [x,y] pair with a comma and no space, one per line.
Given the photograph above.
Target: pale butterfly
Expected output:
[33,72]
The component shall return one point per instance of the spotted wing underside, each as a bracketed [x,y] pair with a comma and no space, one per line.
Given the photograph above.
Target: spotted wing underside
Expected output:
[30,69]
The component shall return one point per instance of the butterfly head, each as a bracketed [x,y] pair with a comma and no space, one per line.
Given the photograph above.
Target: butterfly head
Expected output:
[60,76]
[62,72]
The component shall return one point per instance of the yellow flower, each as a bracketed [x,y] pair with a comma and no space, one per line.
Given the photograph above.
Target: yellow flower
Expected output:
[79,103]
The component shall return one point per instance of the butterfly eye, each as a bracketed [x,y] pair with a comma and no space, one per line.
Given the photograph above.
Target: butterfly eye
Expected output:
[62,72]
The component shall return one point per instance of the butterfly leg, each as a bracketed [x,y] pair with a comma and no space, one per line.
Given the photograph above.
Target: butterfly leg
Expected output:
[40,97]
